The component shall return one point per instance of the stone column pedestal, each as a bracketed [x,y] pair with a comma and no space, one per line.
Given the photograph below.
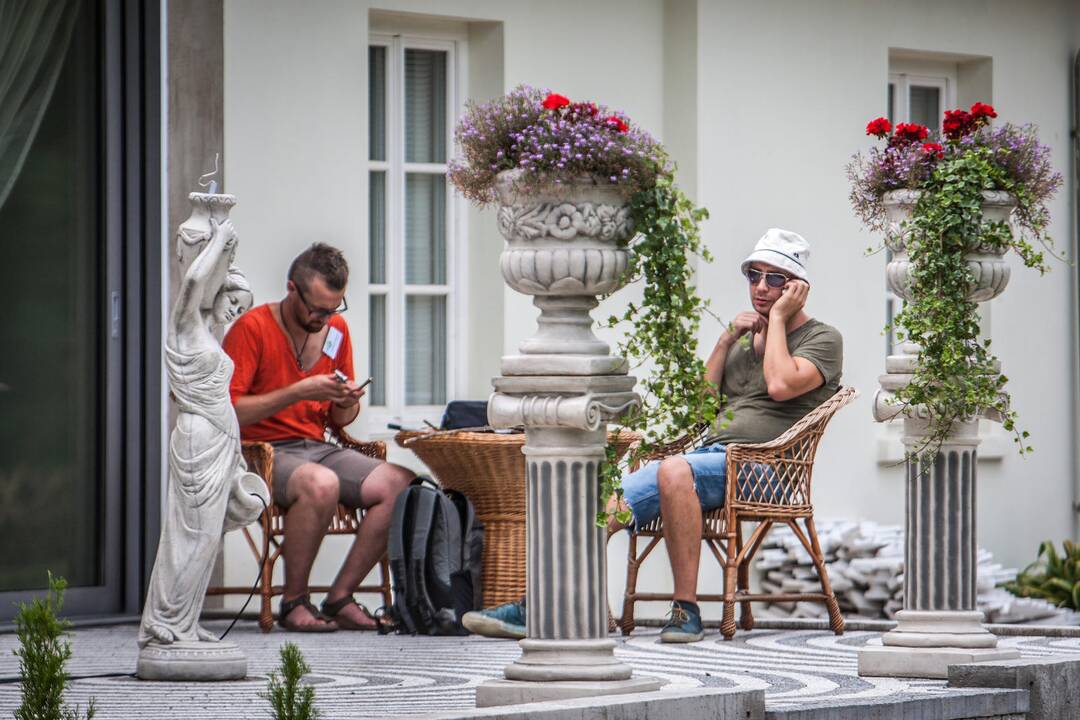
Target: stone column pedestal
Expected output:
[940,624]
[567,652]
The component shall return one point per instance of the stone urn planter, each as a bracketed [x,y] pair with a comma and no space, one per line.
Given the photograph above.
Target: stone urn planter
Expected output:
[987,264]
[565,246]
[988,268]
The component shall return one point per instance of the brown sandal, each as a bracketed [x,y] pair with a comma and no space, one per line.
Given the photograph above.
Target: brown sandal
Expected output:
[332,611]
[324,625]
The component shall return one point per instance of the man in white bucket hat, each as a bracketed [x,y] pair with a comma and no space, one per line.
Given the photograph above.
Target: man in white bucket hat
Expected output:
[773,364]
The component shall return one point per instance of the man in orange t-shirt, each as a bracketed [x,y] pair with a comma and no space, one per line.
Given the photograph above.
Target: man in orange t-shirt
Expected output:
[293,377]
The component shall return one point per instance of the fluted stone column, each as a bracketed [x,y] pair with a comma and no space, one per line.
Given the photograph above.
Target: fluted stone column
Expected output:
[563,247]
[940,624]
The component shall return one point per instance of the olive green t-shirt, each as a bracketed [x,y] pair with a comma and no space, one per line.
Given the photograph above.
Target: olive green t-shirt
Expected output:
[756,417]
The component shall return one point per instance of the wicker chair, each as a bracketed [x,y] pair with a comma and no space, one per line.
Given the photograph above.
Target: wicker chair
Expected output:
[771,485]
[346,521]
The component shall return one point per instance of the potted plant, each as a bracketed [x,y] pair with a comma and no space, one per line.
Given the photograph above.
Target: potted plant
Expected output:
[587,202]
[951,205]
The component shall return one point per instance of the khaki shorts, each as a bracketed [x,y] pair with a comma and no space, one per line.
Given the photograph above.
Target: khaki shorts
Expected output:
[351,466]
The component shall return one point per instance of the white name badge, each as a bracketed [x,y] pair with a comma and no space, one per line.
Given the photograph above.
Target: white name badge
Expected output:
[333,343]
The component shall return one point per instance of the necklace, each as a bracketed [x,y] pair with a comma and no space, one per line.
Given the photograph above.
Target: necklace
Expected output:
[299,350]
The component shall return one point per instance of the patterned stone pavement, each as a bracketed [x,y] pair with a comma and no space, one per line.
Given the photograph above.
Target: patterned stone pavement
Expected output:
[362,675]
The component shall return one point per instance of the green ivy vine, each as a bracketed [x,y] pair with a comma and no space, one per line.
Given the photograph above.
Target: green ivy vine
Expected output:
[663,329]
[956,376]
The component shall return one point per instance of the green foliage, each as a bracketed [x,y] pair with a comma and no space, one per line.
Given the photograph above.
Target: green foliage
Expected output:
[663,328]
[1051,577]
[955,376]
[289,698]
[43,652]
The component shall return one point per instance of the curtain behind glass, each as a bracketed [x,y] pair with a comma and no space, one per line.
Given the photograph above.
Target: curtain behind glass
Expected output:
[34,38]
[425,343]
[425,106]
[52,289]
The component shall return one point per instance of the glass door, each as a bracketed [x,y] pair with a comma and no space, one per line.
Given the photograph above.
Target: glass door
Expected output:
[60,363]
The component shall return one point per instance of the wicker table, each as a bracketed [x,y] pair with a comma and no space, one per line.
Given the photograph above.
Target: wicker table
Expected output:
[489,469]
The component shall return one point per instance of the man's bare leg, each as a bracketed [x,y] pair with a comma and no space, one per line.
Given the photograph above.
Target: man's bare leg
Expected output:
[377,495]
[313,496]
[681,510]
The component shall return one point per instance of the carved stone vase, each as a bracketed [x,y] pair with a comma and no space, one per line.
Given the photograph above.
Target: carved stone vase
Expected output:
[565,245]
[940,624]
[193,234]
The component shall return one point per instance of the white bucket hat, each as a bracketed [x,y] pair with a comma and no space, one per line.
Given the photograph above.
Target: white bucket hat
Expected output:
[783,249]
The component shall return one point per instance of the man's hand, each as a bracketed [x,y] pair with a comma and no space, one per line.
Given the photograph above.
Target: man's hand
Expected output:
[355,392]
[747,322]
[322,387]
[791,301]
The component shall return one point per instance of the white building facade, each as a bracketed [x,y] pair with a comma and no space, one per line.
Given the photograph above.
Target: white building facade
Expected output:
[761,105]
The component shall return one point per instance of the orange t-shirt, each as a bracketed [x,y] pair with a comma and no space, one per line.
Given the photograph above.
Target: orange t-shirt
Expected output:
[265,361]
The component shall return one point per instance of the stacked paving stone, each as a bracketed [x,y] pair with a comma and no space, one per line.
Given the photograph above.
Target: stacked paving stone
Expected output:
[865,562]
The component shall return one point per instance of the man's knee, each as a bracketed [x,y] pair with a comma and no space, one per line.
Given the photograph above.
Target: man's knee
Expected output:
[674,477]
[315,484]
[387,482]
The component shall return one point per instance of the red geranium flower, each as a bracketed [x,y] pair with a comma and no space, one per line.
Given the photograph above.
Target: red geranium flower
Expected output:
[934,149]
[616,122]
[554,101]
[880,127]
[957,123]
[982,110]
[585,109]
[910,132]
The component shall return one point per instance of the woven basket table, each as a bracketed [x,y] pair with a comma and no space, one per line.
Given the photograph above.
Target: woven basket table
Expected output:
[489,469]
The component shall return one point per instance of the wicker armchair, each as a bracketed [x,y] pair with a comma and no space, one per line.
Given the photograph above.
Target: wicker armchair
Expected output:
[767,483]
[260,459]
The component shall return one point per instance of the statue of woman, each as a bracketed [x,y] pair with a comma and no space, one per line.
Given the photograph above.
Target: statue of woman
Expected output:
[210,490]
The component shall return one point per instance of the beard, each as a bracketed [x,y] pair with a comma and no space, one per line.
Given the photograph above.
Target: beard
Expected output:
[312,327]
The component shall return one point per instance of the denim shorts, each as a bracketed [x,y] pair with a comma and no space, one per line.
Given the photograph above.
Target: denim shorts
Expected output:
[709,466]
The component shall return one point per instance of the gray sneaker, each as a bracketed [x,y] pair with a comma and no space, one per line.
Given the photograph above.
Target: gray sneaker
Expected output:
[683,624]
[503,621]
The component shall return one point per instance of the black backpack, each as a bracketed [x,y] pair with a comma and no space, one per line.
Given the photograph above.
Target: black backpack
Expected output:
[436,553]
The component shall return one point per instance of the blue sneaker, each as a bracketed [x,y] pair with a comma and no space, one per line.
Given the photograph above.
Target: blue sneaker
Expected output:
[683,624]
[504,621]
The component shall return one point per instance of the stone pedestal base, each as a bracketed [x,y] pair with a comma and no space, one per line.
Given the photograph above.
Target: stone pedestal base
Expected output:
[923,662]
[924,644]
[515,692]
[191,661]
[559,660]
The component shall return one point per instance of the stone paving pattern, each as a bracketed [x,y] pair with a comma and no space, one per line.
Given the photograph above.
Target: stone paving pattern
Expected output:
[363,675]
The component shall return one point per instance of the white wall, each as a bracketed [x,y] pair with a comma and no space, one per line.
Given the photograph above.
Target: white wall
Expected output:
[776,93]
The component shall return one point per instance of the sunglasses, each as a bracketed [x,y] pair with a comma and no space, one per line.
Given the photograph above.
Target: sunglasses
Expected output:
[320,312]
[772,279]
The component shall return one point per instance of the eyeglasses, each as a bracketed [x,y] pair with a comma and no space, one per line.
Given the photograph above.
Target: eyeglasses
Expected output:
[772,279]
[319,312]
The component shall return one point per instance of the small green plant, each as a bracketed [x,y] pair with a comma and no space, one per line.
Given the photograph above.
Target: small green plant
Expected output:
[289,698]
[1052,577]
[43,652]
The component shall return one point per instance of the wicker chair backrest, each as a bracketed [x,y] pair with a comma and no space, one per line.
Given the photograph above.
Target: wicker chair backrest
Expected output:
[777,474]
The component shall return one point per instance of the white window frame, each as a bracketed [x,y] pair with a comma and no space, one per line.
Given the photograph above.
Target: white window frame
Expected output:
[374,418]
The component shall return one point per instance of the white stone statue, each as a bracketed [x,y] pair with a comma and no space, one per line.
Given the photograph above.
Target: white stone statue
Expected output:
[210,490]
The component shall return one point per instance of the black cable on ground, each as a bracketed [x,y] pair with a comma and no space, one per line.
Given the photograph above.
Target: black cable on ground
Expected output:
[258,579]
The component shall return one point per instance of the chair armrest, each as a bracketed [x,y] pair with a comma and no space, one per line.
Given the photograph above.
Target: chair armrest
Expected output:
[260,460]
[372,448]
